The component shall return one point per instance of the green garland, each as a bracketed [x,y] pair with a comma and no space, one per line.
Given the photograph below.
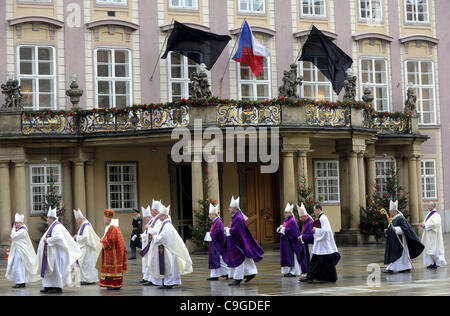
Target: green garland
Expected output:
[215,101]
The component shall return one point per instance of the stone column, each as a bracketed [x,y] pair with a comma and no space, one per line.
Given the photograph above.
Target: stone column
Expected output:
[90,192]
[302,164]
[362,180]
[412,184]
[401,171]
[79,186]
[213,181]
[371,175]
[419,190]
[344,191]
[354,191]
[5,203]
[289,189]
[20,190]
[67,191]
[197,184]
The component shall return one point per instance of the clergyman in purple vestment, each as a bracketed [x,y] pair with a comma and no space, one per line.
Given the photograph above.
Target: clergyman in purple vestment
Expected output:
[216,246]
[289,244]
[306,238]
[242,250]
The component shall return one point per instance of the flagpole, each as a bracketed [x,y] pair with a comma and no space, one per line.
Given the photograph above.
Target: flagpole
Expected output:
[162,48]
[231,56]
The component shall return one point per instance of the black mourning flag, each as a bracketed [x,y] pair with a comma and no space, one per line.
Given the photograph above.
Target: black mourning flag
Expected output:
[327,57]
[200,46]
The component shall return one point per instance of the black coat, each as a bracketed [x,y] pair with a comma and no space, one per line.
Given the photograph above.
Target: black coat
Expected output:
[394,249]
[137,230]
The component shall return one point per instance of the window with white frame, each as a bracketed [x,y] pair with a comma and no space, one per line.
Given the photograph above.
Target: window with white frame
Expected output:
[384,169]
[375,77]
[113,2]
[113,78]
[420,77]
[252,6]
[183,4]
[371,10]
[416,11]
[326,181]
[36,1]
[313,8]
[36,74]
[429,188]
[43,177]
[122,185]
[252,87]
[180,71]
[315,85]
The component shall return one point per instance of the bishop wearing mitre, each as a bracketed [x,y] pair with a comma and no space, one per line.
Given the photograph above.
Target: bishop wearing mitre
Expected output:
[151,229]
[90,246]
[290,249]
[22,260]
[57,254]
[169,259]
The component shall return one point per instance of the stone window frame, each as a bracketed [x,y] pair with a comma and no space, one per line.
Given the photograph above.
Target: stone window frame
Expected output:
[315,84]
[381,186]
[250,3]
[111,3]
[184,81]
[371,19]
[327,178]
[134,183]
[375,85]
[313,16]
[183,6]
[433,177]
[254,81]
[113,78]
[45,184]
[36,77]
[420,87]
[35,2]
[415,20]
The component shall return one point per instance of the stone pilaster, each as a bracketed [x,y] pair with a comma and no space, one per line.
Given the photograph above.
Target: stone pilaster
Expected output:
[197,183]
[354,190]
[412,184]
[362,180]
[213,181]
[67,191]
[5,203]
[20,189]
[419,190]
[289,189]
[79,190]
[90,192]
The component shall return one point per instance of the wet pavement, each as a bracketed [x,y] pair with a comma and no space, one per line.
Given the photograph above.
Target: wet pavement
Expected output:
[360,272]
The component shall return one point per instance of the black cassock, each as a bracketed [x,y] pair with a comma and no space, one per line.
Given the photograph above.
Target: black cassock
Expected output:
[394,249]
[137,230]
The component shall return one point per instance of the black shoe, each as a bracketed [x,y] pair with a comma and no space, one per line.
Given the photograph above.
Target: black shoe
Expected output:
[55,290]
[389,271]
[148,283]
[19,286]
[45,290]
[235,283]
[132,258]
[405,271]
[225,276]
[248,278]
[289,275]
[113,288]
[212,279]
[163,287]
[143,281]
[86,283]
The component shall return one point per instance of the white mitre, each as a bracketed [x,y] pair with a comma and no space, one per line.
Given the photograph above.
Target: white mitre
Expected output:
[164,210]
[52,213]
[289,208]
[302,211]
[146,211]
[156,205]
[393,206]
[19,218]
[235,202]
[78,214]
[213,209]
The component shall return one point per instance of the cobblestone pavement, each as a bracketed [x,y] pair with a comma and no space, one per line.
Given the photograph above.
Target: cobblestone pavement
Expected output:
[353,273]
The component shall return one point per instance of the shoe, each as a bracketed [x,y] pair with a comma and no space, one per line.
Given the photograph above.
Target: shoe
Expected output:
[113,288]
[162,287]
[212,279]
[143,281]
[248,278]
[132,258]
[235,283]
[225,276]
[87,283]
[148,283]
[289,275]
[19,286]
[303,280]
[55,290]
[389,271]
[405,271]
[45,290]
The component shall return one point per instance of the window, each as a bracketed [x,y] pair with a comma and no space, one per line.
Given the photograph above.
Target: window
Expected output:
[252,87]
[416,11]
[252,6]
[36,65]
[370,10]
[313,8]
[113,78]
[326,181]
[183,4]
[374,76]
[315,85]
[429,179]
[36,1]
[180,70]
[122,186]
[41,178]
[420,76]
[114,2]
[384,169]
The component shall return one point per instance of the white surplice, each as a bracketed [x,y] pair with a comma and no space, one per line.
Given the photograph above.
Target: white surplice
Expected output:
[177,261]
[90,246]
[324,243]
[22,260]
[62,254]
[433,241]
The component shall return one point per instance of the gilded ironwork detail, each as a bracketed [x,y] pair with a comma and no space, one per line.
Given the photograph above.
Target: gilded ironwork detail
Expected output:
[229,115]
[325,116]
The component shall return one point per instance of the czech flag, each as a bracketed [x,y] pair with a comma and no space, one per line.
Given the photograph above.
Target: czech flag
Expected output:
[251,52]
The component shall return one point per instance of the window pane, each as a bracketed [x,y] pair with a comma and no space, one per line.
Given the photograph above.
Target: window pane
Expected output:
[26,53]
[26,68]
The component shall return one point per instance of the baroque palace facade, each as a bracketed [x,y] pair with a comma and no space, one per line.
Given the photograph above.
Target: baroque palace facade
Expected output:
[109,154]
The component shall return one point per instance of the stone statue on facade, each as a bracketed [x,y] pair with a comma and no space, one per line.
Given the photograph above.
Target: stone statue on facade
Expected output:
[350,89]
[200,88]
[13,96]
[411,101]
[367,96]
[290,83]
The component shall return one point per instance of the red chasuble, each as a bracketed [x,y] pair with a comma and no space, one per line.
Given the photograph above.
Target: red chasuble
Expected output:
[113,259]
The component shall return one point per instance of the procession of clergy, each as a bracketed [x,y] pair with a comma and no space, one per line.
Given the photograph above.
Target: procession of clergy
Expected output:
[63,260]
